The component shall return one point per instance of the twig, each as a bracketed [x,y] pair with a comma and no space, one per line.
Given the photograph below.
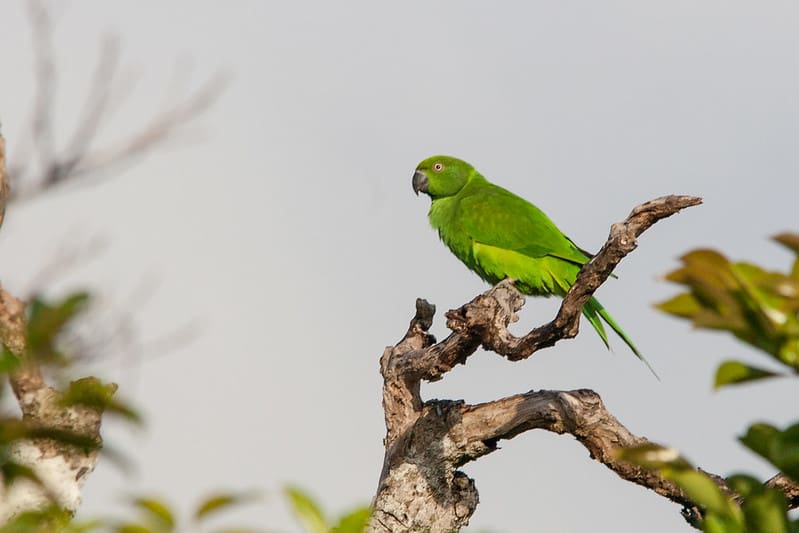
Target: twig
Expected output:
[79,161]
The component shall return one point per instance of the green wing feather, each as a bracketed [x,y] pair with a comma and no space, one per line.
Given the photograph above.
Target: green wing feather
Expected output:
[494,216]
[500,235]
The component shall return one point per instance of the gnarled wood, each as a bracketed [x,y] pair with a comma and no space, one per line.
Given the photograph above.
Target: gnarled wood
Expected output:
[420,487]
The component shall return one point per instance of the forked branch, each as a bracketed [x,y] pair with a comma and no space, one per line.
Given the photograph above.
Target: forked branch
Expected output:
[420,487]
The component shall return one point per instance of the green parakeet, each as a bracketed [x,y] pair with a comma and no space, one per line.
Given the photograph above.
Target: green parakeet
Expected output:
[499,235]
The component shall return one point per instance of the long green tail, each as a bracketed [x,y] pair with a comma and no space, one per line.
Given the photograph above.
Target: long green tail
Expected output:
[593,310]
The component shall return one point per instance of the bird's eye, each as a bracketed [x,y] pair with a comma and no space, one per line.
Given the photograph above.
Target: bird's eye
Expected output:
[438,167]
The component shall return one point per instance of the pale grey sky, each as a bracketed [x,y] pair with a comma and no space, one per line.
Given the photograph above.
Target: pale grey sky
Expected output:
[289,229]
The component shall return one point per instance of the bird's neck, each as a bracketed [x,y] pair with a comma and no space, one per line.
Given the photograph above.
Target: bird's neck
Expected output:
[444,210]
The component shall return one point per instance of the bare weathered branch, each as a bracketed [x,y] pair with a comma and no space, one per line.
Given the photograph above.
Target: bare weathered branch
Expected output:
[161,127]
[420,487]
[485,319]
[580,413]
[80,160]
[621,241]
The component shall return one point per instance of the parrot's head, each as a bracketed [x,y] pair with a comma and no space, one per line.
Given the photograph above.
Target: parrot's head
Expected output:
[441,176]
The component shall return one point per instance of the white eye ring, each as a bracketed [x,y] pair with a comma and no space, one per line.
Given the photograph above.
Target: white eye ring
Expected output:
[438,167]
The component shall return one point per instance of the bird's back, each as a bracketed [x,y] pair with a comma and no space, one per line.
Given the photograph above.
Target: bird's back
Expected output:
[498,234]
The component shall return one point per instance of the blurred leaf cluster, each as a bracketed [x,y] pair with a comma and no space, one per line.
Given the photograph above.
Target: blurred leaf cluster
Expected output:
[153,515]
[156,516]
[313,520]
[749,507]
[761,308]
[46,322]
[758,306]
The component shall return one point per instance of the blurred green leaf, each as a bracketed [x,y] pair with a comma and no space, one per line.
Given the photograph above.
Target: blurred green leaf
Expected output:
[219,502]
[760,437]
[12,429]
[714,523]
[46,321]
[704,491]
[653,456]
[158,511]
[684,305]
[700,488]
[353,522]
[52,519]
[83,526]
[93,393]
[781,448]
[767,512]
[735,372]
[83,442]
[132,527]
[11,471]
[239,530]
[765,508]
[789,240]
[759,307]
[8,361]
[306,510]
[744,484]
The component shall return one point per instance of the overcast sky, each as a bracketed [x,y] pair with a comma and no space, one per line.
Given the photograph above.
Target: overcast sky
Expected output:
[285,226]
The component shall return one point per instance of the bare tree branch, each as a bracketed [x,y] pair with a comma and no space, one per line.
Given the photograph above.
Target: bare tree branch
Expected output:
[46,79]
[79,160]
[580,413]
[621,241]
[161,127]
[420,487]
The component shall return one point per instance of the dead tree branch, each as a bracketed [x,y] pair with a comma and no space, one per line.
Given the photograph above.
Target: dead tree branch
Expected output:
[420,487]
[79,160]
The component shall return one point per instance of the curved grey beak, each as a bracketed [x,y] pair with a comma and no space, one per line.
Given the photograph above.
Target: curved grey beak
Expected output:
[419,182]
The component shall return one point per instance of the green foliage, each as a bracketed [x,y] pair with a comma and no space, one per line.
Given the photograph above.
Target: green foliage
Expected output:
[218,502]
[758,306]
[307,512]
[47,321]
[765,508]
[156,516]
[731,372]
[91,392]
[720,509]
[752,508]
[780,448]
[49,520]
[761,308]
[313,520]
